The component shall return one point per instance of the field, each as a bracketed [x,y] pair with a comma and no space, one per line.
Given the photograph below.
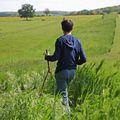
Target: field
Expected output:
[95,92]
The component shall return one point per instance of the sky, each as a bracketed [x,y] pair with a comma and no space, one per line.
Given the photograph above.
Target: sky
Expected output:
[62,5]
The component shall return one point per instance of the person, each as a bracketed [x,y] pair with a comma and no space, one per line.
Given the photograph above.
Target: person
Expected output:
[69,53]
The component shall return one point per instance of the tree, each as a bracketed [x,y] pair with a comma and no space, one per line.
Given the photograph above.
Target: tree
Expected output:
[26,11]
[47,11]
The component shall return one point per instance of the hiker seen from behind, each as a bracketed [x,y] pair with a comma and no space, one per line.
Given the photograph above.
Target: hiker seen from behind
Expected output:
[69,53]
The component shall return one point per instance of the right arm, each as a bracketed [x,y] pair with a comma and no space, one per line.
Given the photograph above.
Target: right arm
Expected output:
[56,54]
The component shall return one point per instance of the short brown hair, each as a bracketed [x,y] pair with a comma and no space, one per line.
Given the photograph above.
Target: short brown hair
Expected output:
[67,25]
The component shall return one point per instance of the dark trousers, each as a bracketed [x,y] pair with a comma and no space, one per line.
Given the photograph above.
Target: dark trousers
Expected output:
[63,79]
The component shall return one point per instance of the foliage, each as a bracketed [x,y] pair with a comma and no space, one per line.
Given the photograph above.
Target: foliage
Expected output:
[26,11]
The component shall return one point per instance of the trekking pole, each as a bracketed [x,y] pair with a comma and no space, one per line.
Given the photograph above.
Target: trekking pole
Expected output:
[48,64]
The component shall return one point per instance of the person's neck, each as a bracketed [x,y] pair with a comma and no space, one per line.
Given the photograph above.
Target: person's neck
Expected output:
[67,33]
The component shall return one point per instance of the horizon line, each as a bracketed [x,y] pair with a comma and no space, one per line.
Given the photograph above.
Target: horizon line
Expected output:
[68,11]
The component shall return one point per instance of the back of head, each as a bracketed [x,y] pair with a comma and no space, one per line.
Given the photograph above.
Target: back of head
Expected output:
[67,25]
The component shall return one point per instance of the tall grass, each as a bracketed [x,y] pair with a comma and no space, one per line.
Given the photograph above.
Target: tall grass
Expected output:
[94,95]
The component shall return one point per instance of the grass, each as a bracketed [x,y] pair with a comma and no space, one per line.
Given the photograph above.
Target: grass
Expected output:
[95,92]
[15,47]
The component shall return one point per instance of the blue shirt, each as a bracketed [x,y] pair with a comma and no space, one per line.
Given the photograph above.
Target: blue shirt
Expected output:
[68,52]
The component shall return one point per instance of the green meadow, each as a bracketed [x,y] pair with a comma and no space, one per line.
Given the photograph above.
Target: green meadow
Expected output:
[94,93]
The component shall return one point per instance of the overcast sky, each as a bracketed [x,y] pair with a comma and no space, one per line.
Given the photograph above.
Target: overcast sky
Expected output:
[63,5]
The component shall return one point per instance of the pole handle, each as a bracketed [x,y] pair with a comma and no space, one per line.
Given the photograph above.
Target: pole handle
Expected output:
[48,62]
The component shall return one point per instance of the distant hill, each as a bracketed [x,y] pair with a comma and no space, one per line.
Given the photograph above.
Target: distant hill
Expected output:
[108,9]
[2,14]
[105,10]
[63,13]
